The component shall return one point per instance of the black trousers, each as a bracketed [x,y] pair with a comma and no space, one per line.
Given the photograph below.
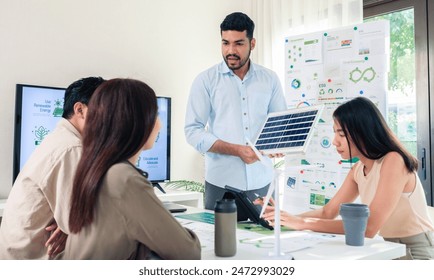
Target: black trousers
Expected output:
[214,193]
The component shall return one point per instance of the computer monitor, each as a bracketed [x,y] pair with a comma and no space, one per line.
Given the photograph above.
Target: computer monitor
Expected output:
[156,161]
[38,109]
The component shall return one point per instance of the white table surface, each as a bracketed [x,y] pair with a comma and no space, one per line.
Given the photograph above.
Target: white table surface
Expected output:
[187,198]
[300,245]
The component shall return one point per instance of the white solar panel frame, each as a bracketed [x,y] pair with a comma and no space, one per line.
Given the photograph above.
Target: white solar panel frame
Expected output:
[311,111]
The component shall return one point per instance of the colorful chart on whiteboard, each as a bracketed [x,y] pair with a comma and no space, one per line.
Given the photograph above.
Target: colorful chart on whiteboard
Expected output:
[328,68]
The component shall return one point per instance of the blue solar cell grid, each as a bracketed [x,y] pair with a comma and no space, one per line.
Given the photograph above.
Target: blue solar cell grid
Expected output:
[286,131]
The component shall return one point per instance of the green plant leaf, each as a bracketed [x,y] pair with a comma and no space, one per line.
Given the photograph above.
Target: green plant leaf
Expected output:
[186,185]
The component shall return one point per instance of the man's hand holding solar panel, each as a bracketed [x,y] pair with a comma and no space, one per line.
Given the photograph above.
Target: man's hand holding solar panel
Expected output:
[248,154]
[259,154]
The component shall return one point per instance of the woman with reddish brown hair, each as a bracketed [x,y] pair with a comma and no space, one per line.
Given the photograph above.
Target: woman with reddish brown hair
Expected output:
[114,211]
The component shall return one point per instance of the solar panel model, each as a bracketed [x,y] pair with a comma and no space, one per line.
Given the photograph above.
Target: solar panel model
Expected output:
[288,131]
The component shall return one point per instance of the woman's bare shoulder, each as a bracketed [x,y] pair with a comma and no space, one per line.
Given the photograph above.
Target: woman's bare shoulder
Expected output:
[393,161]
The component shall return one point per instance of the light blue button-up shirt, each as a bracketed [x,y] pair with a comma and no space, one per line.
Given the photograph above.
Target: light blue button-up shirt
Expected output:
[222,106]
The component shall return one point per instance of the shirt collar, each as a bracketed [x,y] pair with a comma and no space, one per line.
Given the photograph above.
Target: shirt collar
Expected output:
[224,69]
[65,123]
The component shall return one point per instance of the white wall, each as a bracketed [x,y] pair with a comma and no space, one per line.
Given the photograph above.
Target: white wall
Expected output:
[165,43]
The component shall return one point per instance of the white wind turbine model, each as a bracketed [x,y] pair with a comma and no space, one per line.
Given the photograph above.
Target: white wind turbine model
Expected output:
[287,132]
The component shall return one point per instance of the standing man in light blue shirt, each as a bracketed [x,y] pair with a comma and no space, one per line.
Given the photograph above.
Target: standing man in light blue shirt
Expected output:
[228,104]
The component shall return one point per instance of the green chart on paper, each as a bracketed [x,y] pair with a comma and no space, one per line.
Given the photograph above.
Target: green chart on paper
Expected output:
[258,228]
[203,217]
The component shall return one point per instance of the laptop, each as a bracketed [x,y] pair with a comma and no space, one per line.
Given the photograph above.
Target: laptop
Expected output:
[174,207]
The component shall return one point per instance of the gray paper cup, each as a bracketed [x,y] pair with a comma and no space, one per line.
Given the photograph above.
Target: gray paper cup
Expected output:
[355,218]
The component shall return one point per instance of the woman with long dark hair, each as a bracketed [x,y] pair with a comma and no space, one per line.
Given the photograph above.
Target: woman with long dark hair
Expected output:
[114,211]
[385,178]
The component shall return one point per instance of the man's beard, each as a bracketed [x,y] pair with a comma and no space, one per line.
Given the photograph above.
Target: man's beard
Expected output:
[241,62]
